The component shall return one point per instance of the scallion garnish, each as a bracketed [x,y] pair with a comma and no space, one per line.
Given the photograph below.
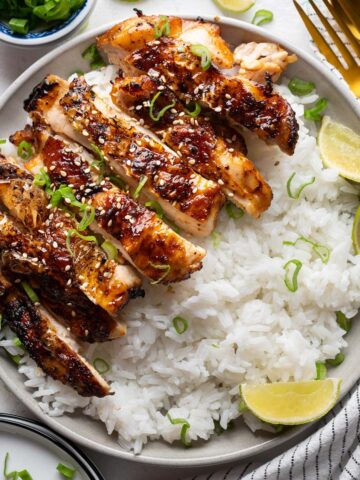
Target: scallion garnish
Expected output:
[42,179]
[73,231]
[101,365]
[153,205]
[297,193]
[166,269]
[321,251]
[300,87]
[162,27]
[314,113]
[25,150]
[15,358]
[99,163]
[343,322]
[185,427]
[216,239]
[292,283]
[66,194]
[88,216]
[262,16]
[334,362]
[204,53]
[320,371]
[30,292]
[2,141]
[215,345]
[24,475]
[91,53]
[119,182]
[110,249]
[194,113]
[141,184]
[5,468]
[157,117]
[19,25]
[15,475]
[233,211]
[65,471]
[180,324]
[17,342]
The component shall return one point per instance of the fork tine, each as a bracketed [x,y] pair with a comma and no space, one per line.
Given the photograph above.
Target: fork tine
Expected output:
[319,39]
[335,37]
[352,11]
[336,11]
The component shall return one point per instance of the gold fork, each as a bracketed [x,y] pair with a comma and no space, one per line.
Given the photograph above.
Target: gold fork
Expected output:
[351,72]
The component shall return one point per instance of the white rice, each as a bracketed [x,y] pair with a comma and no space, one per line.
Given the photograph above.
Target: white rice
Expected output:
[244,324]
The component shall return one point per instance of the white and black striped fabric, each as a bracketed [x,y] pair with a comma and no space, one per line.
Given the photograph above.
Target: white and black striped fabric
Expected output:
[331,453]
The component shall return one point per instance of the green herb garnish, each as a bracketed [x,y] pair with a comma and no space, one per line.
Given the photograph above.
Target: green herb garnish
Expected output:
[91,53]
[73,231]
[99,163]
[194,113]
[101,365]
[88,216]
[334,362]
[204,53]
[25,150]
[301,87]
[216,239]
[166,269]
[110,249]
[321,251]
[30,292]
[141,184]
[157,117]
[320,371]
[297,193]
[233,211]
[162,27]
[65,471]
[118,182]
[153,205]
[180,324]
[185,427]
[262,16]
[343,322]
[314,113]
[291,282]
[42,180]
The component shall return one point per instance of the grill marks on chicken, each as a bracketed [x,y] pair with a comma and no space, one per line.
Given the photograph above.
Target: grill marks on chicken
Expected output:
[105,282]
[240,101]
[142,237]
[46,343]
[187,198]
[200,142]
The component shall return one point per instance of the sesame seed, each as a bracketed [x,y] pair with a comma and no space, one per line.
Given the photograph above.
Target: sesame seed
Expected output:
[55,244]
[220,181]
[63,173]
[85,133]
[73,313]
[85,284]
[110,223]
[218,109]
[67,268]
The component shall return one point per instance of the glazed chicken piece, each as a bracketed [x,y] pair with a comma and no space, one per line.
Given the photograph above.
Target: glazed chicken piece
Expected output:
[260,61]
[216,152]
[136,32]
[239,101]
[49,345]
[141,236]
[105,282]
[22,257]
[186,197]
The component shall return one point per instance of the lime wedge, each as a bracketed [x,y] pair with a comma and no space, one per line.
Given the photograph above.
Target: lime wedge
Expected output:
[340,148]
[356,232]
[235,6]
[291,403]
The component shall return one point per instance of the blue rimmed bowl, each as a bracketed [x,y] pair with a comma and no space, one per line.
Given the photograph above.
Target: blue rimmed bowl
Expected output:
[43,37]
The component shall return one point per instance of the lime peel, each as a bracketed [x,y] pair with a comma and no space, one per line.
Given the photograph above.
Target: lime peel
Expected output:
[291,403]
[235,6]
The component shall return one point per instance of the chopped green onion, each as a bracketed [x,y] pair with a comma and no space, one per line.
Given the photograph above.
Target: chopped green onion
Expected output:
[343,322]
[100,163]
[172,225]
[162,111]
[215,345]
[19,25]
[25,150]
[65,471]
[42,179]
[219,430]
[180,324]
[2,141]
[153,205]
[15,358]
[30,292]
[101,365]
[185,427]
[262,16]
[5,468]
[233,211]
[297,193]
[320,371]
[141,184]
[301,87]
[204,53]
[119,182]
[17,342]
[110,249]
[195,112]
[334,362]
[314,113]
[91,53]
[321,251]
[88,216]
[67,194]
[166,269]
[73,231]
[24,475]
[292,283]
[162,27]
[216,239]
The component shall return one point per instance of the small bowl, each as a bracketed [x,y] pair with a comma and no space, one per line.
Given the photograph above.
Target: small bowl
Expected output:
[43,37]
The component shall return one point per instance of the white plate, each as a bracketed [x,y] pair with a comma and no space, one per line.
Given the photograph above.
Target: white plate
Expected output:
[239,443]
[37,449]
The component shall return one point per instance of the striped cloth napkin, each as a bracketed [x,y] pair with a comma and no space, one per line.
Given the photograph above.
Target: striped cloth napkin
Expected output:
[333,451]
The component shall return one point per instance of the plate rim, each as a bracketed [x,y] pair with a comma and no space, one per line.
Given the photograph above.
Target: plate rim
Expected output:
[199,461]
[40,430]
